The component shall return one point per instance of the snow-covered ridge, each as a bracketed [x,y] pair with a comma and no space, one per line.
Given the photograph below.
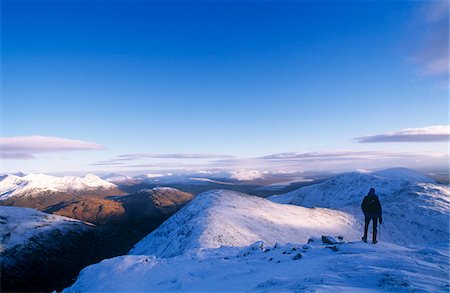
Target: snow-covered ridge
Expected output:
[348,267]
[415,209]
[30,184]
[225,241]
[227,218]
[349,188]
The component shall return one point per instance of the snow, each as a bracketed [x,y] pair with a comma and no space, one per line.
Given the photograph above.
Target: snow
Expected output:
[246,175]
[162,188]
[227,218]
[349,267]
[155,175]
[225,241]
[31,184]
[413,212]
[18,225]
[120,179]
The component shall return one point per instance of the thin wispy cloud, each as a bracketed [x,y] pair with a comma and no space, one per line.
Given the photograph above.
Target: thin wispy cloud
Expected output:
[138,160]
[431,26]
[437,133]
[176,156]
[338,160]
[24,147]
[16,156]
[321,155]
[292,161]
[108,163]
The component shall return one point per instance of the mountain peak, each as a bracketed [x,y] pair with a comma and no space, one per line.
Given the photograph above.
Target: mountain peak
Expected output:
[228,218]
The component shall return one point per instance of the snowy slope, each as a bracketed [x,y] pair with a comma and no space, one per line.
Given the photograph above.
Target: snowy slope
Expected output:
[349,267]
[41,252]
[33,184]
[18,225]
[413,212]
[225,241]
[227,218]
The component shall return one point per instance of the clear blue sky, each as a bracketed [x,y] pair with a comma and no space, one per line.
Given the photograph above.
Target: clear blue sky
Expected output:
[245,79]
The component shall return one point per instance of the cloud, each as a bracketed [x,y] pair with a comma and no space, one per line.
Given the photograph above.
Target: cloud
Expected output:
[176,156]
[437,133]
[16,156]
[319,155]
[23,147]
[312,159]
[303,161]
[113,162]
[243,175]
[139,160]
[431,37]
[345,160]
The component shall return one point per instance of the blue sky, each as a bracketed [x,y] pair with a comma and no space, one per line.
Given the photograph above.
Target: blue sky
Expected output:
[244,79]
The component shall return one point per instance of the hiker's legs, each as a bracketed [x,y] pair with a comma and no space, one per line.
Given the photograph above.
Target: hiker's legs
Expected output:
[374,232]
[366,227]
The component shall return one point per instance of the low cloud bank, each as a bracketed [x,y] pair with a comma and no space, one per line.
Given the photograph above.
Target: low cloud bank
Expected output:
[24,147]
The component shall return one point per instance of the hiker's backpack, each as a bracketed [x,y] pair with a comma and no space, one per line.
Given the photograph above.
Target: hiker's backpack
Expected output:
[372,206]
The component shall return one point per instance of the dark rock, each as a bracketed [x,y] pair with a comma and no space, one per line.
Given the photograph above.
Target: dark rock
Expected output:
[334,248]
[329,240]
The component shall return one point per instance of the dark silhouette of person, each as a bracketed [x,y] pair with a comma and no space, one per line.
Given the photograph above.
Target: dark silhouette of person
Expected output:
[371,208]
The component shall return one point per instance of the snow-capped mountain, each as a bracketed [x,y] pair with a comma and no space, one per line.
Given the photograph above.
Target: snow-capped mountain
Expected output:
[119,179]
[415,208]
[33,184]
[227,218]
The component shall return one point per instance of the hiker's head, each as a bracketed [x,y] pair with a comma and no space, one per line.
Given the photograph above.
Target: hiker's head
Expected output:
[371,191]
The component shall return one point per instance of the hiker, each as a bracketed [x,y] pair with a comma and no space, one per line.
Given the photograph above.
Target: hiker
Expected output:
[372,212]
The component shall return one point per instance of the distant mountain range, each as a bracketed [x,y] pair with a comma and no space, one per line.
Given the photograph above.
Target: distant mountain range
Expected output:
[98,199]
[32,185]
[89,198]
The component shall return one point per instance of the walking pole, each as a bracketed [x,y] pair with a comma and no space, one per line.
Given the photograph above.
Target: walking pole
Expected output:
[379,234]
